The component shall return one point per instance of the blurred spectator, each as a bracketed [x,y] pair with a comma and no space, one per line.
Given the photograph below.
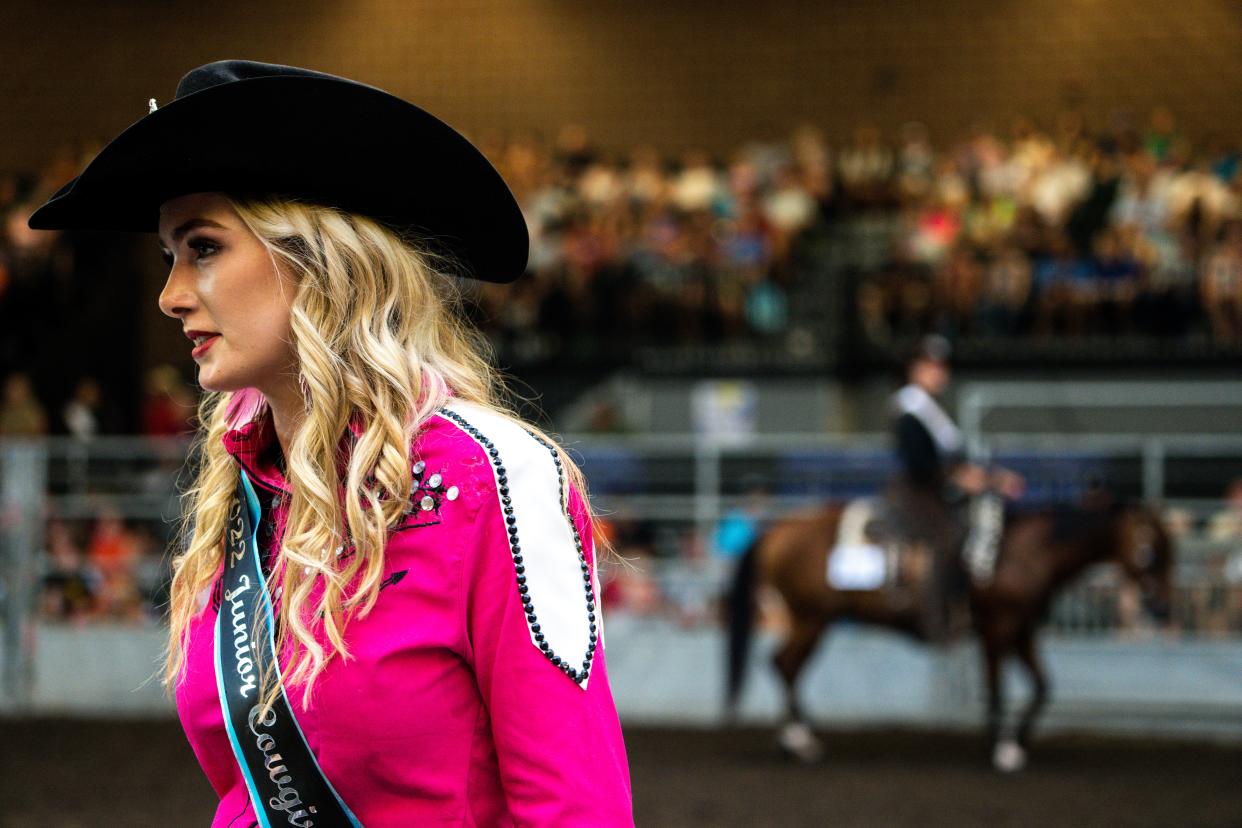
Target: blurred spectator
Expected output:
[1161,133]
[1006,291]
[897,301]
[168,409]
[959,281]
[1167,302]
[21,414]
[1064,288]
[81,413]
[788,210]
[812,157]
[113,551]
[151,577]
[1221,284]
[1227,523]
[1219,604]
[644,181]
[767,310]
[1059,180]
[1089,216]
[628,581]
[916,162]
[935,224]
[1142,198]
[866,169]
[739,527]
[69,584]
[1116,277]
[697,186]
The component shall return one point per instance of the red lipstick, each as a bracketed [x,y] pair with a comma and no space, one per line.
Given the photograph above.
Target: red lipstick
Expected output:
[201,349]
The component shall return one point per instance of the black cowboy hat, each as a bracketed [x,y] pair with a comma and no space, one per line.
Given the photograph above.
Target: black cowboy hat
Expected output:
[259,129]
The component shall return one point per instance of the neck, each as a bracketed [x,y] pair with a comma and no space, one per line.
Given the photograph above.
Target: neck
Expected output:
[288,408]
[1096,545]
[1052,555]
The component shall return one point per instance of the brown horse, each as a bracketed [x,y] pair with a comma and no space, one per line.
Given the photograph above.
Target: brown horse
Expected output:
[1038,554]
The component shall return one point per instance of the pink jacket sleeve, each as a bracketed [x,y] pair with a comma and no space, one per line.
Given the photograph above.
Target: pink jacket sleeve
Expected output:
[559,747]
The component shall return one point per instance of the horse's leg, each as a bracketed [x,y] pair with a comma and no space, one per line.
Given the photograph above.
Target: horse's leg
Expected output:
[1039,688]
[796,736]
[993,658]
[1008,755]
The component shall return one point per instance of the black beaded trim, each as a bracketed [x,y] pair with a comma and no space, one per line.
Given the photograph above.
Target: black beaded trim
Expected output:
[515,549]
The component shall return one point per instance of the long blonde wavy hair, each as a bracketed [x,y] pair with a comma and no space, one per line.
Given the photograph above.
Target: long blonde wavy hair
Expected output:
[379,338]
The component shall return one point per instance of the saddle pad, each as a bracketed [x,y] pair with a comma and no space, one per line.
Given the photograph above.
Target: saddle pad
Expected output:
[855,563]
[857,566]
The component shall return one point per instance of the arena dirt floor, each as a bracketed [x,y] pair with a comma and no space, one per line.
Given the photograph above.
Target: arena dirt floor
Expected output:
[61,774]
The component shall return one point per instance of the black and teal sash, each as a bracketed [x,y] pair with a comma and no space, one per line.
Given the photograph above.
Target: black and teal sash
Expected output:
[286,784]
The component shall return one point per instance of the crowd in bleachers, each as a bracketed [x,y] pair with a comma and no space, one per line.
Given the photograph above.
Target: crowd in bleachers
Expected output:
[640,249]
[106,568]
[1063,231]
[1069,232]
[1131,229]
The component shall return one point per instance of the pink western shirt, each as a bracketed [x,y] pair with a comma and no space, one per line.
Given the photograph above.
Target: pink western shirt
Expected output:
[448,712]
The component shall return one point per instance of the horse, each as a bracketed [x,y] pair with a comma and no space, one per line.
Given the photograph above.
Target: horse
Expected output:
[1038,554]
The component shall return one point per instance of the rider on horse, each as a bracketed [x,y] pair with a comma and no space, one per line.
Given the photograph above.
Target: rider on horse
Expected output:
[927,499]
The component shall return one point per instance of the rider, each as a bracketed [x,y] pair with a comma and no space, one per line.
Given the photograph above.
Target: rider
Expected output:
[934,482]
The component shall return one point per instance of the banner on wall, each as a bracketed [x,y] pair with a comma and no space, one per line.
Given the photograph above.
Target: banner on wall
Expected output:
[727,410]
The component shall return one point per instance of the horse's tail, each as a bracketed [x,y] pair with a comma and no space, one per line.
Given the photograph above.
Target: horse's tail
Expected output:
[741,623]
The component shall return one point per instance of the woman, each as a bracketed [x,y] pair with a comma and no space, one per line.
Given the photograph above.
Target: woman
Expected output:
[421,560]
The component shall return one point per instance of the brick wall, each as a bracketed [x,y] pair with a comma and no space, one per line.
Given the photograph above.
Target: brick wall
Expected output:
[676,72]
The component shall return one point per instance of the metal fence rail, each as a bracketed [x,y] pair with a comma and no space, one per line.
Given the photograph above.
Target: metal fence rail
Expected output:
[679,487]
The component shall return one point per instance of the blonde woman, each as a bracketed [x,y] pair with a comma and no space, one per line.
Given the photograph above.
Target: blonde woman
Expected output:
[420,559]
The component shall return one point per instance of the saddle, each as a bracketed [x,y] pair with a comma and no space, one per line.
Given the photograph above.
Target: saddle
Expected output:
[872,552]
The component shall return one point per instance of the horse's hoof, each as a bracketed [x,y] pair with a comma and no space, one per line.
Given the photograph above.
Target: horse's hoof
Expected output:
[798,742]
[1008,756]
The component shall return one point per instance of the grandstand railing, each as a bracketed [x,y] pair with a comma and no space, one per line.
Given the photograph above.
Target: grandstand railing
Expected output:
[680,486]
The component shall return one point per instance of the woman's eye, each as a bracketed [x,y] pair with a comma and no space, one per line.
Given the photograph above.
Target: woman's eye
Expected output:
[167,256]
[203,248]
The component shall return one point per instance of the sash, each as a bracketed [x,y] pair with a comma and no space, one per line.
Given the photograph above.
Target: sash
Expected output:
[286,784]
[912,399]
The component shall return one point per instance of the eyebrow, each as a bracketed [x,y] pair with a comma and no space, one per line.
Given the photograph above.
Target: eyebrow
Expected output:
[191,224]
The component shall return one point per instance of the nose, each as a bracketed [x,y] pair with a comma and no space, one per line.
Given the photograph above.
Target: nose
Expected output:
[178,298]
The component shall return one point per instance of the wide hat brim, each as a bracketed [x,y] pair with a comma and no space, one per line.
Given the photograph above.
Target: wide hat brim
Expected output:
[316,138]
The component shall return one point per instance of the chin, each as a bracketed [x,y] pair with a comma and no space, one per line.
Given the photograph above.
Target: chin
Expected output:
[211,380]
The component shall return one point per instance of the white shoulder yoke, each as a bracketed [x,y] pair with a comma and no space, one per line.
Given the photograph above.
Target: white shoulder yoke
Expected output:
[551,573]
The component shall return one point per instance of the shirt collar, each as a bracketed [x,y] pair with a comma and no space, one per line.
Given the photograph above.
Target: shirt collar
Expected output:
[254,446]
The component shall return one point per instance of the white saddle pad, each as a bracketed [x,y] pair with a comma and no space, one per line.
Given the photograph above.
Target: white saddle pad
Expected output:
[857,566]
[854,563]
